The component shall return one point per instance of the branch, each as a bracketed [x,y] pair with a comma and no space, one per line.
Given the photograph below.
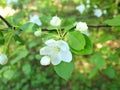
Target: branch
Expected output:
[98,25]
[6,22]
[45,29]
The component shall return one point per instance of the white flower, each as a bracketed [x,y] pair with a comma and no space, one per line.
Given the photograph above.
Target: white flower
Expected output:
[82,27]
[56,51]
[55,21]
[45,60]
[38,33]
[81,8]
[98,12]
[3,59]
[35,19]
[11,1]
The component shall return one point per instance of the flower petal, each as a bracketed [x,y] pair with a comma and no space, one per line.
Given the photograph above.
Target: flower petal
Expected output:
[45,50]
[55,59]
[62,45]
[50,42]
[45,60]
[65,56]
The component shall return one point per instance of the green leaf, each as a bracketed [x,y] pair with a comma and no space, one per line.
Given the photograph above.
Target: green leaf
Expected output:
[29,27]
[68,28]
[2,40]
[113,22]
[110,72]
[64,70]
[87,49]
[26,69]
[76,40]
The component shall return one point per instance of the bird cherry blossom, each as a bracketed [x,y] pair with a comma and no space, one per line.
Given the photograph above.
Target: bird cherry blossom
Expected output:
[54,52]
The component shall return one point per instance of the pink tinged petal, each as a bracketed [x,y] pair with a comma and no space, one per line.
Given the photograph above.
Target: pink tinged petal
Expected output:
[62,45]
[50,42]
[55,59]
[45,60]
[65,56]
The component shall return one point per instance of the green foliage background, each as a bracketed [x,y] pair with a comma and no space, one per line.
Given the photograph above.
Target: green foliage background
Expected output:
[97,71]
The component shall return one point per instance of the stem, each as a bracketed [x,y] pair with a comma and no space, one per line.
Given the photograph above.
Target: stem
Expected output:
[9,40]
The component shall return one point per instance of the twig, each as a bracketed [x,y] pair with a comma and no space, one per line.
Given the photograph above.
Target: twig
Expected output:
[6,22]
[98,25]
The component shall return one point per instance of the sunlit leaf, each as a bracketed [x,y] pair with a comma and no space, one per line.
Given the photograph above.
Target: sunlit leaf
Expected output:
[76,40]
[64,70]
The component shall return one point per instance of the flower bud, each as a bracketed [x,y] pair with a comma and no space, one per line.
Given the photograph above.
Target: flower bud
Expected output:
[82,27]
[3,59]
[55,21]
[37,33]
[45,60]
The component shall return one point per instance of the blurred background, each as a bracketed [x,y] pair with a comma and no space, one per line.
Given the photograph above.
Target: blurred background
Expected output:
[97,71]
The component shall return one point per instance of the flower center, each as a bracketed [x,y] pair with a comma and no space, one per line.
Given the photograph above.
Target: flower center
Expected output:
[56,49]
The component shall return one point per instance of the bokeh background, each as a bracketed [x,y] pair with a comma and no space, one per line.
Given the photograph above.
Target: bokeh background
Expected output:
[97,71]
